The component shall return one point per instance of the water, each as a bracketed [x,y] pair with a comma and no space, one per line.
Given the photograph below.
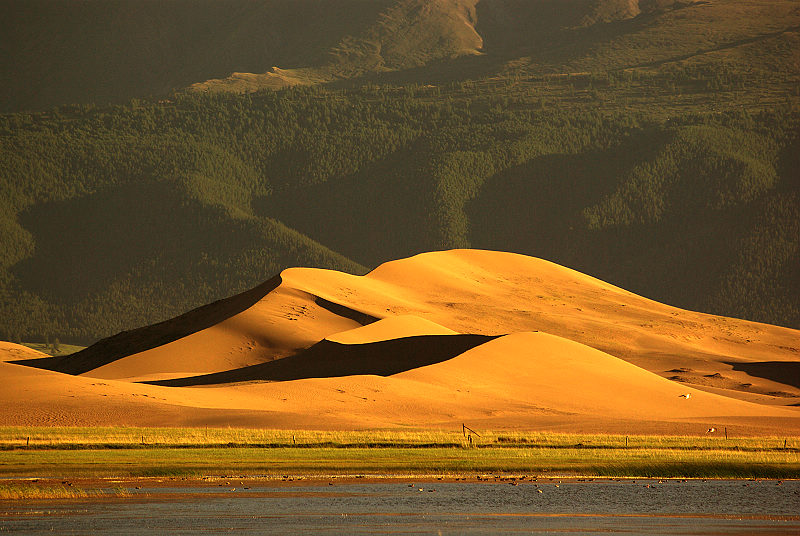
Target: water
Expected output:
[627,507]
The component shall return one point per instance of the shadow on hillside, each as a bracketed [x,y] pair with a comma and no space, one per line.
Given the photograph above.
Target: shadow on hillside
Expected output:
[328,359]
[85,244]
[82,244]
[98,51]
[785,372]
[372,216]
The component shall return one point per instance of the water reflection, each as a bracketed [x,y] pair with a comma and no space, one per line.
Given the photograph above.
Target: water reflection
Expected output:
[630,507]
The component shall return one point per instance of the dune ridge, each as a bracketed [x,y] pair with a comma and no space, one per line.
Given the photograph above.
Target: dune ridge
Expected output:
[499,339]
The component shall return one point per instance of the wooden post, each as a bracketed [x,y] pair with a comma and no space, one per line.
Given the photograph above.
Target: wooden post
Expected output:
[465,428]
[28,441]
[726,432]
[626,441]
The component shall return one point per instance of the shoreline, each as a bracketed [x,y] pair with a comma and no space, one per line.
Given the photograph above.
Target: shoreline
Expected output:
[28,491]
[310,480]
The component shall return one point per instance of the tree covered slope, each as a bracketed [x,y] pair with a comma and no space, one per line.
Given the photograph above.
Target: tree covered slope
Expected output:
[615,138]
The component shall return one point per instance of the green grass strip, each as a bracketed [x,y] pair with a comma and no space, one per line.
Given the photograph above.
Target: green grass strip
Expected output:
[640,462]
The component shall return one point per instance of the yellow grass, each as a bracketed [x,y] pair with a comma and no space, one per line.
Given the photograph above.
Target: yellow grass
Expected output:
[87,437]
[107,452]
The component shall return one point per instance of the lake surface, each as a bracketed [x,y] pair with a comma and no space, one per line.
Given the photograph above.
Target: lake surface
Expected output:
[616,507]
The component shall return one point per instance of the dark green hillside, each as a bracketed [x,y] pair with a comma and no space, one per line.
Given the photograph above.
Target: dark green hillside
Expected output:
[684,214]
[118,217]
[652,144]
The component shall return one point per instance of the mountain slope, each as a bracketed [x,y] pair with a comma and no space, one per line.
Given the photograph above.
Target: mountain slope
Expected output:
[96,51]
[653,144]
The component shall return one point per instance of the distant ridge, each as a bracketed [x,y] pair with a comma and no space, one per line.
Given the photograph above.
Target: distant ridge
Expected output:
[96,51]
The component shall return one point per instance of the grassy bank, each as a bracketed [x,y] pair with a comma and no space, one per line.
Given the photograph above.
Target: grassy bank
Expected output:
[70,438]
[125,452]
[18,491]
[639,462]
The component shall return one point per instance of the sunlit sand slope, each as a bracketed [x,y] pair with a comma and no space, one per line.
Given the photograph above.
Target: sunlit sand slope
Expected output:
[393,327]
[10,351]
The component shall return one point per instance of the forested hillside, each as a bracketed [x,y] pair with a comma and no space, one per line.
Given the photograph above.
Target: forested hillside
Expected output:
[610,142]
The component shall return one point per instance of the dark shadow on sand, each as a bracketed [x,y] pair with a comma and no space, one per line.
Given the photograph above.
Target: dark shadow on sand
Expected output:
[786,372]
[138,340]
[328,359]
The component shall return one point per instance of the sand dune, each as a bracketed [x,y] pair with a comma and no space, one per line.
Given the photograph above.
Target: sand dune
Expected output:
[521,381]
[500,340]
[484,292]
[10,351]
[281,323]
[328,359]
[394,327]
[559,375]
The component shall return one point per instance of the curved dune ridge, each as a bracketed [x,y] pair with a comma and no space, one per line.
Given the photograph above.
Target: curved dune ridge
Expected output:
[497,339]
[393,327]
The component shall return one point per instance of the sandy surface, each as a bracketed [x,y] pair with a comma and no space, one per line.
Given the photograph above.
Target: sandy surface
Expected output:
[397,349]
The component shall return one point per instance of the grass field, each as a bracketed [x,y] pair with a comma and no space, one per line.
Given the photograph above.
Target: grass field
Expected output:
[142,452]
[71,438]
[35,491]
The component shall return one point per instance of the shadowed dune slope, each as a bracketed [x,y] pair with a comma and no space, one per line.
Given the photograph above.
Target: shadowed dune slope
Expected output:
[156,335]
[520,381]
[281,323]
[329,359]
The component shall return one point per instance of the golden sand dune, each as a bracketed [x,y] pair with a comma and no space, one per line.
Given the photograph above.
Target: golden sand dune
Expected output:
[393,327]
[484,292]
[10,351]
[283,322]
[521,381]
[554,374]
[496,339]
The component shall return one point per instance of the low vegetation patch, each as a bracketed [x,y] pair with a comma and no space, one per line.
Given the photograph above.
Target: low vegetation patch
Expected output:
[154,452]
[34,491]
